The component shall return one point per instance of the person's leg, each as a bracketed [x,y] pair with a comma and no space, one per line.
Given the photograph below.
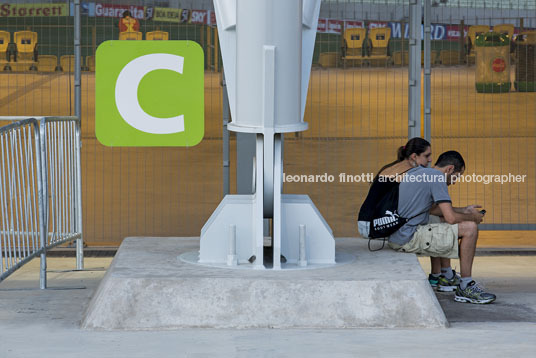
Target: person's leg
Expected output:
[435,264]
[445,263]
[448,280]
[469,290]
[468,233]
[433,277]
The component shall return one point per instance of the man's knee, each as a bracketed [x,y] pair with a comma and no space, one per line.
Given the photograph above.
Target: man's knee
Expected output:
[468,228]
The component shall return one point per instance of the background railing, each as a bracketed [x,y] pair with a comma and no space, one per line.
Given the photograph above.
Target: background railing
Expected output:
[40,190]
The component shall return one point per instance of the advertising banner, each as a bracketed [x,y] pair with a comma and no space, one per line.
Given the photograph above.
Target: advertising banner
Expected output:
[334,26]
[211,18]
[33,10]
[438,31]
[180,15]
[171,15]
[86,9]
[199,17]
[353,24]
[113,10]
[322,25]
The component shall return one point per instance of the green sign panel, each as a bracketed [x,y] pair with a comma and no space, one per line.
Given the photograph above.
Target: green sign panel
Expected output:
[149,93]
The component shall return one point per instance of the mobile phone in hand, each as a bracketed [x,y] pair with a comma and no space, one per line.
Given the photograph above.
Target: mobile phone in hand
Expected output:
[483,212]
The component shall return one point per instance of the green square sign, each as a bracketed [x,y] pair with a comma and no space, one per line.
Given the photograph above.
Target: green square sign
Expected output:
[149,93]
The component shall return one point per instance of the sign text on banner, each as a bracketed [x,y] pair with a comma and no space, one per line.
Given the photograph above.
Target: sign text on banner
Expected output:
[33,10]
[199,17]
[181,15]
[171,15]
[109,10]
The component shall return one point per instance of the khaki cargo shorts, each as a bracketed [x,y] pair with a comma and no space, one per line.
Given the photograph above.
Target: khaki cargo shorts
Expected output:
[436,240]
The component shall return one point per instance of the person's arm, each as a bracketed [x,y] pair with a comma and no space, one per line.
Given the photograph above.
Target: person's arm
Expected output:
[467,210]
[443,205]
[453,217]
[436,211]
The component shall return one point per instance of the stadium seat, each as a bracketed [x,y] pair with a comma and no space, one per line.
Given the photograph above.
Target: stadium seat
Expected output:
[47,63]
[449,57]
[67,63]
[5,38]
[379,42]
[90,63]
[473,32]
[507,29]
[353,45]
[157,35]
[529,35]
[26,42]
[130,35]
[401,58]
[328,59]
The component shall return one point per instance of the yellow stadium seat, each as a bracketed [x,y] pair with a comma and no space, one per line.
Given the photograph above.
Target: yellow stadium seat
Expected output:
[157,35]
[67,63]
[26,42]
[5,38]
[47,63]
[507,29]
[353,45]
[473,32]
[379,40]
[328,59]
[450,57]
[401,58]
[90,63]
[529,35]
[130,35]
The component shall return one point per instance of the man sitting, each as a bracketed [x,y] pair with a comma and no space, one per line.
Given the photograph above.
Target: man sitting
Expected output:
[423,191]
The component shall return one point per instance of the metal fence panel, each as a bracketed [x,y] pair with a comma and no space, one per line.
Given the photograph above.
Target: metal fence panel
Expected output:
[20,196]
[495,132]
[40,191]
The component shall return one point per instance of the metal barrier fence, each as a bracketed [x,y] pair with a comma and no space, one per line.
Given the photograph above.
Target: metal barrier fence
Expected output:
[40,190]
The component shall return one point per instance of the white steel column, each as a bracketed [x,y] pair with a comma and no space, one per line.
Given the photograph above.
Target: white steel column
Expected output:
[257,224]
[278,177]
[415,15]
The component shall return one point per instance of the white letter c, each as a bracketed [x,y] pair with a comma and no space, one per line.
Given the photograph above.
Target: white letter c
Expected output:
[126,93]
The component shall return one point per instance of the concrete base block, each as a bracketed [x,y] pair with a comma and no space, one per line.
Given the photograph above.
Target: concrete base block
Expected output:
[147,287]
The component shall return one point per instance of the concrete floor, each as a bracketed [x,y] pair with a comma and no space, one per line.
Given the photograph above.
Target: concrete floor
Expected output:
[35,323]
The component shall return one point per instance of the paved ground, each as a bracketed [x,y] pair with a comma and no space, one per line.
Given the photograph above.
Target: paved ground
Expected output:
[35,323]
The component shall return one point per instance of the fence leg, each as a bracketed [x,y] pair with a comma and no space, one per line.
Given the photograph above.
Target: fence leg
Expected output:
[78,113]
[79,218]
[43,270]
[42,185]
